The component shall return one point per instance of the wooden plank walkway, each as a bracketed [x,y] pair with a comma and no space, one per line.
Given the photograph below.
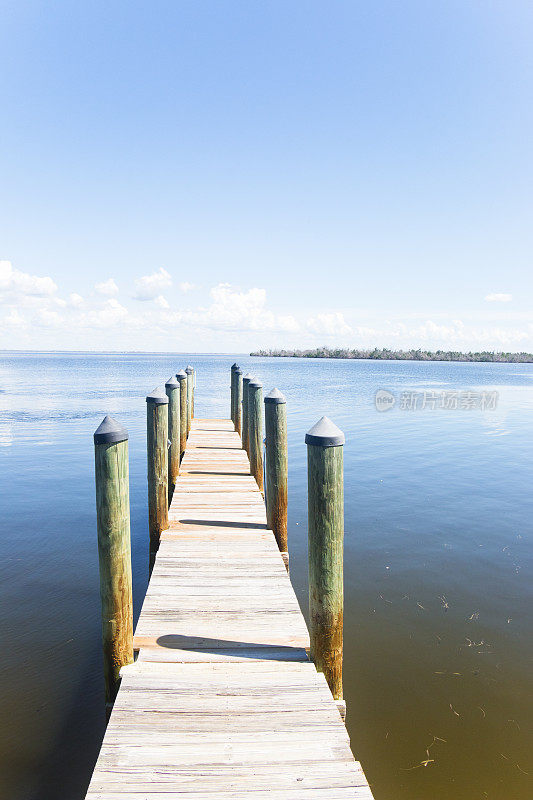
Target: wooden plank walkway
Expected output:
[222,702]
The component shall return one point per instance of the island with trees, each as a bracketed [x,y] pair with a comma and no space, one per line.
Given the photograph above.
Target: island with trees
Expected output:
[384,354]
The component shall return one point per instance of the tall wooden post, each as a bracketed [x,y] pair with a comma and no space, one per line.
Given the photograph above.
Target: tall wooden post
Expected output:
[157,441]
[232,401]
[326,541]
[189,370]
[237,377]
[182,379]
[193,390]
[114,550]
[245,426]
[255,410]
[172,389]
[276,467]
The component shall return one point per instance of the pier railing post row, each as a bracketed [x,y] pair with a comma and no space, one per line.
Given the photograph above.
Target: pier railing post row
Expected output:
[255,430]
[157,448]
[326,541]
[276,468]
[232,397]
[114,550]
[181,377]
[172,389]
[190,373]
[238,400]
[244,424]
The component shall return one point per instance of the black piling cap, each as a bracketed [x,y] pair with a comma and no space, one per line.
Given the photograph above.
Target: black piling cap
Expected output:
[238,371]
[171,383]
[189,370]
[325,433]
[181,375]
[235,366]
[275,397]
[248,377]
[110,431]
[255,384]
[158,397]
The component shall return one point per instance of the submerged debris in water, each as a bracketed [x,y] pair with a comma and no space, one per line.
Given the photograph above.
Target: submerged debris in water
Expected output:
[428,760]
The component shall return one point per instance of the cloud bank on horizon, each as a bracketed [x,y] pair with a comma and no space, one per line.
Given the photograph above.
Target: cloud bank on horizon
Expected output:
[158,312]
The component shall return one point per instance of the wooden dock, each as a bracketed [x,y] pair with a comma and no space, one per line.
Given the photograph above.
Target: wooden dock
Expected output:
[222,702]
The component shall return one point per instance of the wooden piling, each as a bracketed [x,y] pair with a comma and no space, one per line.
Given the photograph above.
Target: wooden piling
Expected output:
[114,550]
[190,371]
[255,430]
[237,377]
[326,540]
[276,467]
[157,447]
[244,425]
[181,377]
[172,389]
[232,395]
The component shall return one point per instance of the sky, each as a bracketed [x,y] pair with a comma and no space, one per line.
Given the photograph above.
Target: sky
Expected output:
[221,176]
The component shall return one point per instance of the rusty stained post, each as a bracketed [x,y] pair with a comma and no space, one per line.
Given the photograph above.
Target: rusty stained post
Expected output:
[157,451]
[255,436]
[181,377]
[245,425]
[232,398]
[326,542]
[114,551]
[276,468]
[237,377]
[172,389]
[190,377]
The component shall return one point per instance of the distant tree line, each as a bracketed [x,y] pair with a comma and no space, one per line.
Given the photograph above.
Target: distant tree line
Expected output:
[399,355]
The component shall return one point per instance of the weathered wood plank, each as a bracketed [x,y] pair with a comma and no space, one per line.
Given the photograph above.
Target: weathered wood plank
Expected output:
[223,702]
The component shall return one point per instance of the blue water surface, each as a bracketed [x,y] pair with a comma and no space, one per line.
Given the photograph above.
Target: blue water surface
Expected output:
[438,560]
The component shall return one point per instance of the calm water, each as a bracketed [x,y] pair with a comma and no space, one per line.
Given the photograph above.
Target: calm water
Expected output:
[438,563]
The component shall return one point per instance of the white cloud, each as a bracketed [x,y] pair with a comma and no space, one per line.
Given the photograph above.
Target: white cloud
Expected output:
[331,324]
[498,298]
[185,287]
[47,318]
[110,314]
[14,320]
[76,299]
[161,301]
[235,310]
[437,336]
[149,286]
[107,288]
[22,283]
[33,315]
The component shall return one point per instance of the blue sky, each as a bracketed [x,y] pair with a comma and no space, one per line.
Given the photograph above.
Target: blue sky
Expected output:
[220,176]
